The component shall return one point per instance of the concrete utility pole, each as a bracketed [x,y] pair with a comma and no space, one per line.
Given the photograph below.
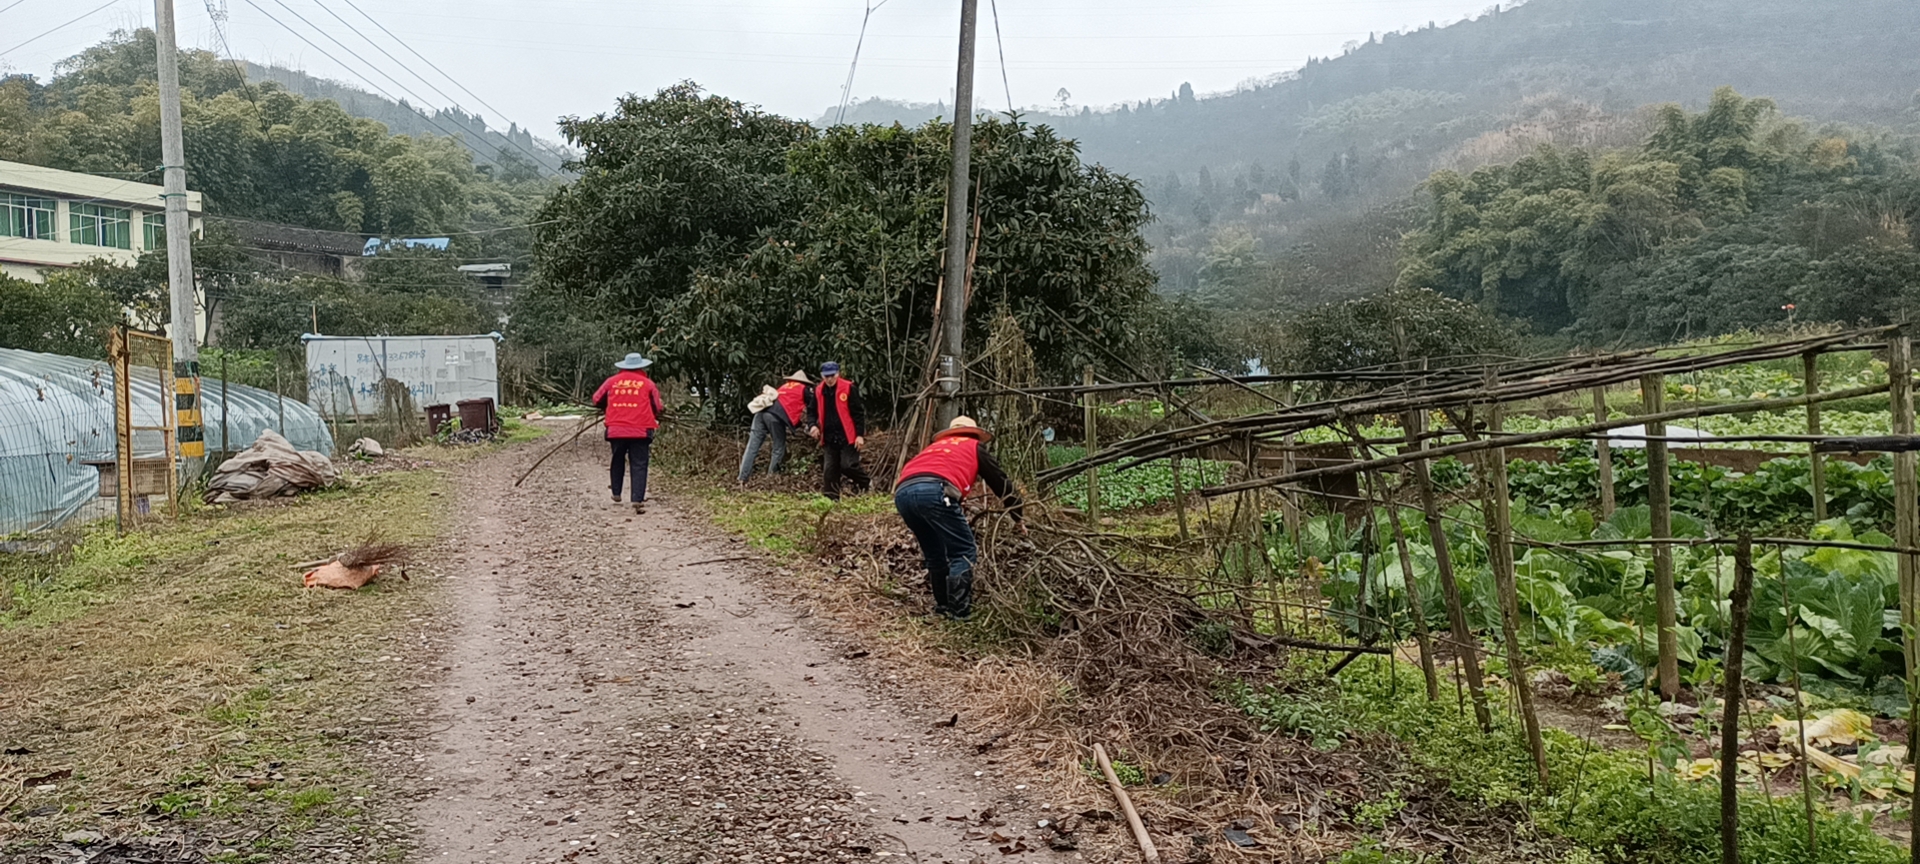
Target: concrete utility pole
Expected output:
[953,295]
[186,347]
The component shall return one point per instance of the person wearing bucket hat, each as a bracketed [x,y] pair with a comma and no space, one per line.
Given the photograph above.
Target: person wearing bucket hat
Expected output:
[633,408]
[838,420]
[928,496]
[774,412]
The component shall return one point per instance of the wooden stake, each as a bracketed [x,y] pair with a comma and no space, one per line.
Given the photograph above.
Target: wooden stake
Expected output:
[1799,712]
[1415,423]
[1500,550]
[1414,608]
[1730,721]
[1180,499]
[1126,805]
[1906,532]
[1811,360]
[1091,418]
[1603,454]
[1290,505]
[1653,393]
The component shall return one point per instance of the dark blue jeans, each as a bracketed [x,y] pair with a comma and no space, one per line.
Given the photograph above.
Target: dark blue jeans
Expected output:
[937,521]
[630,455]
[768,425]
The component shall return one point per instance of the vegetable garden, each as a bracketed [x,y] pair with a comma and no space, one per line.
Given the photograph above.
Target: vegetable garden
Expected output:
[1752,626]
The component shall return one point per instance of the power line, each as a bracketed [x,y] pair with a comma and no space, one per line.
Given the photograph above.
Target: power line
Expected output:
[56,29]
[11,5]
[435,67]
[324,53]
[430,85]
[846,90]
[1001,46]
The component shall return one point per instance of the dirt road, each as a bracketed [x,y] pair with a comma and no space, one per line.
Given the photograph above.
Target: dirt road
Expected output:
[620,687]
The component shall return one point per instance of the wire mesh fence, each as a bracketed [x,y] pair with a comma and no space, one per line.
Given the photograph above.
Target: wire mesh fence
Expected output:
[146,465]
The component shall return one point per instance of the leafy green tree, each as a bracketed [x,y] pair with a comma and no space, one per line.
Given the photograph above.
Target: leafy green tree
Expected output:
[736,244]
[1394,326]
[1733,217]
[667,185]
[67,314]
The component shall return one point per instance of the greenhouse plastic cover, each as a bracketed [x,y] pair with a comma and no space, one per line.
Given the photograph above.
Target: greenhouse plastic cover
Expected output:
[56,413]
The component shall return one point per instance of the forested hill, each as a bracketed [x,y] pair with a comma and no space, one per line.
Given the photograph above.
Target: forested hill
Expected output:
[1294,191]
[1414,94]
[402,118]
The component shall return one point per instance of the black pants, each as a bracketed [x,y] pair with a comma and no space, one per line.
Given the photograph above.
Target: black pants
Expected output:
[630,455]
[842,460]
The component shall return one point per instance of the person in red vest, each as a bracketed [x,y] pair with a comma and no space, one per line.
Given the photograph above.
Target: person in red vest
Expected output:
[928,497]
[837,419]
[632,404]
[775,411]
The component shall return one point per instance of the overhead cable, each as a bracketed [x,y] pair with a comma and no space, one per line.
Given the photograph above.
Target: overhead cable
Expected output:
[83,16]
[430,64]
[430,85]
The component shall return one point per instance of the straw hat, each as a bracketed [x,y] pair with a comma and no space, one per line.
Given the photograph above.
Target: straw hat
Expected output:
[963,426]
[634,361]
[799,375]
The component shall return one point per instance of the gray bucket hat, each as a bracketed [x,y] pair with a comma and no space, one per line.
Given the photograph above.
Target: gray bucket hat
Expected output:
[634,361]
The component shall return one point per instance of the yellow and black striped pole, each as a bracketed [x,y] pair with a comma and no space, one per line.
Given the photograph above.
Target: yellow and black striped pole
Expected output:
[186,410]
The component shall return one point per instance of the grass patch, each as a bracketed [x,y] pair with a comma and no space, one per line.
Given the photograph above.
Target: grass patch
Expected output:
[783,523]
[181,672]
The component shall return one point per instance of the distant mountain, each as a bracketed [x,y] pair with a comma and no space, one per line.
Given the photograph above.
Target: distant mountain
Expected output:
[1305,174]
[402,118]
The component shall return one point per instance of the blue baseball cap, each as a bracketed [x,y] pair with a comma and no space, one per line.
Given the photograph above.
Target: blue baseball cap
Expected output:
[829,368]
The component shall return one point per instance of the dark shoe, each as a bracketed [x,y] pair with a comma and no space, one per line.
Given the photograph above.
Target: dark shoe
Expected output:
[639,507]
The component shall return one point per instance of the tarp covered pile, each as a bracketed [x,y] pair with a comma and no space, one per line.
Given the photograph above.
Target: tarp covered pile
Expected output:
[271,467]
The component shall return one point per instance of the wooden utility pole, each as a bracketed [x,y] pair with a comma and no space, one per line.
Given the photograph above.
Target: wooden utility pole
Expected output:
[1653,399]
[953,299]
[186,347]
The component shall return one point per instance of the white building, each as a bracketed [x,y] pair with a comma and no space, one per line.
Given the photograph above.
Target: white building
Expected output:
[54,218]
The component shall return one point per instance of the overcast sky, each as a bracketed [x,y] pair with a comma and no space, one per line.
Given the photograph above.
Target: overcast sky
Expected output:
[537,61]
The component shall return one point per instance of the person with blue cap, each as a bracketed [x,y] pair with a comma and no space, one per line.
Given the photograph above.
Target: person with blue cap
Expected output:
[837,419]
[633,408]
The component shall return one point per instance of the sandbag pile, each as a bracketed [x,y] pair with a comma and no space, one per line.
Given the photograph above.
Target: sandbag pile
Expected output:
[269,468]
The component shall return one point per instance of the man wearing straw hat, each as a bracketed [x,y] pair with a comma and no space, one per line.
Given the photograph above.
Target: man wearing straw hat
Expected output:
[774,412]
[632,404]
[928,497]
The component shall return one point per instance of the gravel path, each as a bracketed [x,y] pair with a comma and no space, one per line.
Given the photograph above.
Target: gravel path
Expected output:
[619,687]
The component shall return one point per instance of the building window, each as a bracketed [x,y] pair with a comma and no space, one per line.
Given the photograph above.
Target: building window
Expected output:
[26,216]
[94,225]
[154,230]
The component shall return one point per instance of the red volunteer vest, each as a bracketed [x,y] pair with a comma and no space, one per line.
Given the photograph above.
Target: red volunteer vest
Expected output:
[630,396]
[793,400]
[840,402]
[953,458]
